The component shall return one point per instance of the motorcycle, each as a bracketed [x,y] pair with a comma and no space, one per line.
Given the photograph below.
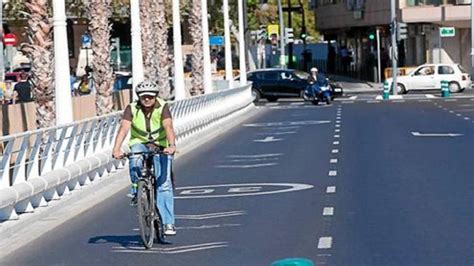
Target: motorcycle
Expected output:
[319,91]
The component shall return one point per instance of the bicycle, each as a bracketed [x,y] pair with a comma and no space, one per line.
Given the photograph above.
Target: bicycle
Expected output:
[149,219]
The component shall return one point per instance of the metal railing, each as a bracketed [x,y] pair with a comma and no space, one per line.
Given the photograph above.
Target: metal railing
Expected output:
[43,165]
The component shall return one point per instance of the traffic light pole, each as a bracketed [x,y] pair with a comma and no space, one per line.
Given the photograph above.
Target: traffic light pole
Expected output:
[290,44]
[282,35]
[379,78]
[394,47]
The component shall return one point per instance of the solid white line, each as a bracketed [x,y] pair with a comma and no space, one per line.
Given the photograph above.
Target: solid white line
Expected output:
[328,211]
[450,100]
[335,151]
[347,102]
[272,104]
[333,161]
[398,101]
[298,103]
[247,166]
[325,242]
[353,97]
[430,96]
[372,101]
[332,173]
[336,143]
[331,189]
[256,156]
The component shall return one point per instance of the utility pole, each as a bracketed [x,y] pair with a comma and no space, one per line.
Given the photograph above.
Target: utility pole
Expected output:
[228,50]
[304,36]
[242,54]
[394,47]
[282,35]
[2,63]
[290,45]
[64,114]
[137,54]
[179,89]
[472,41]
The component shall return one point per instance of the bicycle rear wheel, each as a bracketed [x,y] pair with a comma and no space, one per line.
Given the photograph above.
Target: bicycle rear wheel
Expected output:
[146,206]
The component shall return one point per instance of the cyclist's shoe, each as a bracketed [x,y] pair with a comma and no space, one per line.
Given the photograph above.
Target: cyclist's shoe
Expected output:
[133,202]
[170,230]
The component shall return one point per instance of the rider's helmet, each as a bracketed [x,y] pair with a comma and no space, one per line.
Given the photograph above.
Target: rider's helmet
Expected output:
[147,88]
[314,70]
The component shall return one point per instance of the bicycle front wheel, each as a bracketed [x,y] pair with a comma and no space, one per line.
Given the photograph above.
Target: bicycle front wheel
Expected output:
[146,206]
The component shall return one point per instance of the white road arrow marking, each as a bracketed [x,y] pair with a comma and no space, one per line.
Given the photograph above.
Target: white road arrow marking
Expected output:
[418,134]
[267,139]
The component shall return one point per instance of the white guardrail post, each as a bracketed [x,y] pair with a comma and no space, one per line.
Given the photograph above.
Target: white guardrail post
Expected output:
[43,165]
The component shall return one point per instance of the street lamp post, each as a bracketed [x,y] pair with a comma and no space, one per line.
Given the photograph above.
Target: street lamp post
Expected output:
[61,66]
[394,47]
[137,54]
[472,40]
[282,35]
[243,68]
[228,52]
[2,63]
[208,88]
[179,90]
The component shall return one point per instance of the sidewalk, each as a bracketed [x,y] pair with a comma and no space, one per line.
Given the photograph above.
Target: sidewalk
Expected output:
[351,85]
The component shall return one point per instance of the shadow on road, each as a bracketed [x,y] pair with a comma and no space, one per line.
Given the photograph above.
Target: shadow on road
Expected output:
[126,241]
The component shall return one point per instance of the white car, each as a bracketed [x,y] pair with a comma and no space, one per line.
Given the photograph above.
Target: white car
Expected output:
[429,77]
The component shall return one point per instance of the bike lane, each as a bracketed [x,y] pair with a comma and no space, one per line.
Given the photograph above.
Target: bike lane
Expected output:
[251,196]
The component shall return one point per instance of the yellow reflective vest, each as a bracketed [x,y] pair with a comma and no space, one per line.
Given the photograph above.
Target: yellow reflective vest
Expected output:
[139,131]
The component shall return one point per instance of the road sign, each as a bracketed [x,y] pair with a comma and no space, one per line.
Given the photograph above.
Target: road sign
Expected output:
[447,32]
[86,40]
[289,35]
[10,39]
[273,29]
[216,40]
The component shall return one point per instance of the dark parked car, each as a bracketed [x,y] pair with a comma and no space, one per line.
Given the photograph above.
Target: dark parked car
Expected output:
[275,83]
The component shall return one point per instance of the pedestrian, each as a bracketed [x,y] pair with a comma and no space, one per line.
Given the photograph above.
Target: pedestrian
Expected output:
[72,80]
[9,93]
[22,90]
[84,86]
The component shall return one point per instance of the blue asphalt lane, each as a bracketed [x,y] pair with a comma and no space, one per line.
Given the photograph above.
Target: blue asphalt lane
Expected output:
[404,200]
[256,230]
[400,200]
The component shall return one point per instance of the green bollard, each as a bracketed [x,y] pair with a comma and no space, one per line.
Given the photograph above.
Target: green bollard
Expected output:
[444,88]
[293,262]
[385,91]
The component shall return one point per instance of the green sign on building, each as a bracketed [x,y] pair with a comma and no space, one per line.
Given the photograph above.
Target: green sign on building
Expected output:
[447,31]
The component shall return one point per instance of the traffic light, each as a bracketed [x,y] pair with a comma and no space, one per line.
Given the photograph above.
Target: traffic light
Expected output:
[289,36]
[371,36]
[303,35]
[402,31]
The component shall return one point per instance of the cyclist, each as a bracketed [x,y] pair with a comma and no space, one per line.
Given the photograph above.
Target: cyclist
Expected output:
[151,126]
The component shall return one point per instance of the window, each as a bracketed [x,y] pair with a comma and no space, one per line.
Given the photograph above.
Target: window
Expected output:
[425,71]
[445,70]
[271,75]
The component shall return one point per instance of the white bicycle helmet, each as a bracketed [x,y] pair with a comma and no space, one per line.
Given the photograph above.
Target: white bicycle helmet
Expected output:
[313,69]
[147,88]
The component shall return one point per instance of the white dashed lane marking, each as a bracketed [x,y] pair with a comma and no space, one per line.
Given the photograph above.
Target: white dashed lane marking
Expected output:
[336,143]
[337,136]
[331,189]
[333,161]
[335,151]
[328,211]
[325,242]
[332,173]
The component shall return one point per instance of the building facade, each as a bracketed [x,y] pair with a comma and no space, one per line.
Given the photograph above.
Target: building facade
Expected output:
[352,24]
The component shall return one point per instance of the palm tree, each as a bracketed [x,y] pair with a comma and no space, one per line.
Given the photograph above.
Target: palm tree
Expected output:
[197,58]
[99,28]
[148,33]
[40,51]
[162,49]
